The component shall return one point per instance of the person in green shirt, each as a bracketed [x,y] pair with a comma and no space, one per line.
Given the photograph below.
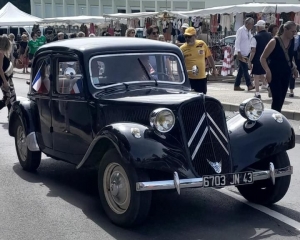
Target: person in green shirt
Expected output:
[32,46]
[41,39]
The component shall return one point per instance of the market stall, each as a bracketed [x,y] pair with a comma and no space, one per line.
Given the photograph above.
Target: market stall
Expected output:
[219,22]
[86,24]
[168,21]
[10,15]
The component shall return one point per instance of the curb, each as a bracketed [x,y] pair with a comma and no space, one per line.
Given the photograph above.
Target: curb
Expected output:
[292,115]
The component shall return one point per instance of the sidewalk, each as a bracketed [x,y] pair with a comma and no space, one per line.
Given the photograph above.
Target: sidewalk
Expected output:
[222,89]
[231,99]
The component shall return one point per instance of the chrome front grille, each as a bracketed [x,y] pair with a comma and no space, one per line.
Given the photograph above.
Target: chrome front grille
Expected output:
[206,135]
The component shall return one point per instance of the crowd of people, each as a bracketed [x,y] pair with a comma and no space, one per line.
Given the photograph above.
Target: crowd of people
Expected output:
[273,58]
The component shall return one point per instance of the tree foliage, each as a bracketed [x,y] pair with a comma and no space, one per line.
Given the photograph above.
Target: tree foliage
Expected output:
[23,5]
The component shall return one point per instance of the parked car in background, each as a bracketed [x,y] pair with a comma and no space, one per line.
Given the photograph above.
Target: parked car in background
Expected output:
[125,107]
[229,40]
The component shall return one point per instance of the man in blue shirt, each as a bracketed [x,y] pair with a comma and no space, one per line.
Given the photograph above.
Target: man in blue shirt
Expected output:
[181,39]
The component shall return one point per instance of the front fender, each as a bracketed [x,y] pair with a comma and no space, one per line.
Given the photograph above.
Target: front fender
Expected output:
[25,110]
[266,138]
[150,151]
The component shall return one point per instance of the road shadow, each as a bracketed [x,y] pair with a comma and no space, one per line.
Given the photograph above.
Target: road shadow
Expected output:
[295,215]
[195,214]
[269,101]
[295,97]
[297,139]
[4,125]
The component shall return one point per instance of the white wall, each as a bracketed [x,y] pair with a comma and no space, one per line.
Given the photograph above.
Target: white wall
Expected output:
[94,11]
[59,11]
[70,11]
[48,10]
[82,10]
[38,10]
[107,10]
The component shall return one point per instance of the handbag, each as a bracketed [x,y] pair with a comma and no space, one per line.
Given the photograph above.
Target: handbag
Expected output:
[19,64]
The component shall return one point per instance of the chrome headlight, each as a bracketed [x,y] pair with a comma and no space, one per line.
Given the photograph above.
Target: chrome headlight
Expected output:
[252,109]
[162,119]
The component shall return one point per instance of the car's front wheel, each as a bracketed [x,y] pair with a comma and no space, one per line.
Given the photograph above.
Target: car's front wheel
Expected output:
[116,183]
[29,160]
[264,192]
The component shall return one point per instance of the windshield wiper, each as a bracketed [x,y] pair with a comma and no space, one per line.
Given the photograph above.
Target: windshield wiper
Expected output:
[147,73]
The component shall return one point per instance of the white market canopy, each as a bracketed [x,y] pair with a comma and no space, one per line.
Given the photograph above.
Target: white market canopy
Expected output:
[74,20]
[170,14]
[10,15]
[245,8]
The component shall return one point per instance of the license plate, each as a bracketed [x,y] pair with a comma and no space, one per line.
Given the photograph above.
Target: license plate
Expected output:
[230,179]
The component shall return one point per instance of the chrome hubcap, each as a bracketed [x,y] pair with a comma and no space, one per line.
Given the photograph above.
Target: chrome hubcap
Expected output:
[21,143]
[116,188]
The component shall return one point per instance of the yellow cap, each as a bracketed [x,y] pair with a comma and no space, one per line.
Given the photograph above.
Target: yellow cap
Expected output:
[190,31]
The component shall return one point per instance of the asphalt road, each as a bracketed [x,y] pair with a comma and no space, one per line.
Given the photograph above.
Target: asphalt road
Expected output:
[59,202]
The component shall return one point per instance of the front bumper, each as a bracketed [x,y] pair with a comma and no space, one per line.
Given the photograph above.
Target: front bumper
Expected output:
[177,184]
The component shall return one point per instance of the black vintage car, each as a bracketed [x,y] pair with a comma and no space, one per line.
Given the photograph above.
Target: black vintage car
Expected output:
[125,106]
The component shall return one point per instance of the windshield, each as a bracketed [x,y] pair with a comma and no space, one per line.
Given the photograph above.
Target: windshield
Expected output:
[112,70]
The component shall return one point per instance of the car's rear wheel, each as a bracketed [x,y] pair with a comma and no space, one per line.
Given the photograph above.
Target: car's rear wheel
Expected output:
[264,192]
[116,183]
[29,160]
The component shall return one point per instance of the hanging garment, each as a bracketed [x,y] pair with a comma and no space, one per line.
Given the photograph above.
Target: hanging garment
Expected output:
[214,23]
[239,21]
[228,62]
[117,25]
[164,24]
[179,23]
[92,28]
[226,22]
[297,18]
[197,22]
[136,23]
[111,31]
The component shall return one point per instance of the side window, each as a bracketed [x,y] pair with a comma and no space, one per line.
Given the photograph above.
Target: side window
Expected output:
[41,80]
[69,78]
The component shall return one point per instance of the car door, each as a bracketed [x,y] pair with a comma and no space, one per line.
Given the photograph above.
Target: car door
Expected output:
[41,93]
[71,119]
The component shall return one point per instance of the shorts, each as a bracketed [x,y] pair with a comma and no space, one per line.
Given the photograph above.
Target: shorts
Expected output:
[258,69]
[30,56]
[199,85]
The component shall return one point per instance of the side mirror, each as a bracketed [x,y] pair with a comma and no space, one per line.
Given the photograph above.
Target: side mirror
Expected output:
[195,70]
[70,73]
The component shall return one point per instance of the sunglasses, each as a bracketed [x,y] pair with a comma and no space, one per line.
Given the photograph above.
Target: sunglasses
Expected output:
[38,32]
[132,32]
[188,37]
[154,33]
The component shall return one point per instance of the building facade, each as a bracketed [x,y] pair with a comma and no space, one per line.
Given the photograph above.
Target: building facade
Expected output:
[62,8]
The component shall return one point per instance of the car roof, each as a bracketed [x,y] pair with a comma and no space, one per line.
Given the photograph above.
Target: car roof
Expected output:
[110,44]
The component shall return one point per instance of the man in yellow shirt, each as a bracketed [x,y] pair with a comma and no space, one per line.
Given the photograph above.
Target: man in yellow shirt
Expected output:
[195,53]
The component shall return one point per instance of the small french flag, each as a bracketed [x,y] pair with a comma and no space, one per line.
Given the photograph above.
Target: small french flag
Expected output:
[37,81]
[151,69]
[77,88]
